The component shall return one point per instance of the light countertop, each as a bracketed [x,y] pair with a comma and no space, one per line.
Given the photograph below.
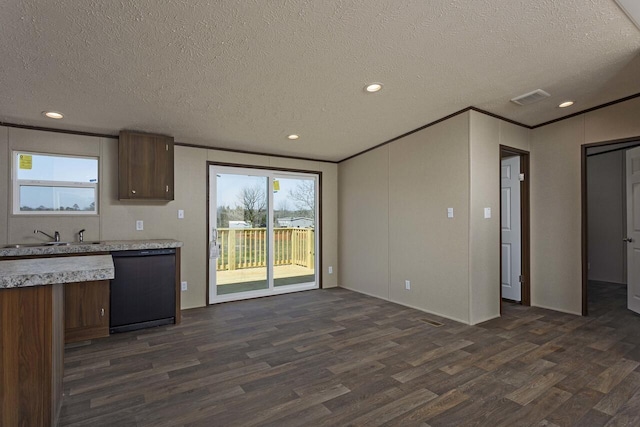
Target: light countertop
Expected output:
[89,247]
[47,271]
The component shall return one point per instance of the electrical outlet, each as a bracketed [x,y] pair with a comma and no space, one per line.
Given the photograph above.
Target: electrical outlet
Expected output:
[180,214]
[330,270]
[449,212]
[183,286]
[139,225]
[407,285]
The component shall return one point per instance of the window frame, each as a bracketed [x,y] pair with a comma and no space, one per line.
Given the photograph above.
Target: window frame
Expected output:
[18,183]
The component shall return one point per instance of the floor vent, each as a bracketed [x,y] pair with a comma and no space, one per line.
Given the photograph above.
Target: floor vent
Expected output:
[432,322]
[531,97]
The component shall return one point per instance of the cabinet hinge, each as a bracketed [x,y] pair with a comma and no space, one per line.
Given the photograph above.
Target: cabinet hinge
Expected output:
[521,177]
[167,188]
[521,279]
[166,146]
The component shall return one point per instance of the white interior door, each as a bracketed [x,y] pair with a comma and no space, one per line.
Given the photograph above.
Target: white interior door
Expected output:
[633,229]
[510,228]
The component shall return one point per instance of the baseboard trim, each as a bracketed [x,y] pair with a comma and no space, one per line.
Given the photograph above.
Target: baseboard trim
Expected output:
[406,305]
[486,320]
[557,309]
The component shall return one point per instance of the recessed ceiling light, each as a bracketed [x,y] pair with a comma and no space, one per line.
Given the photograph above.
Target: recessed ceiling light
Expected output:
[53,114]
[373,87]
[293,136]
[566,104]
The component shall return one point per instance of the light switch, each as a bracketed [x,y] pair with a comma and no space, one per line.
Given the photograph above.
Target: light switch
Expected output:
[449,212]
[487,213]
[180,213]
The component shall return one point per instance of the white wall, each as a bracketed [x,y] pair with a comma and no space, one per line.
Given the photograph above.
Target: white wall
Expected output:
[428,173]
[486,135]
[606,201]
[116,220]
[364,223]
[555,182]
[556,273]
[393,217]
[393,220]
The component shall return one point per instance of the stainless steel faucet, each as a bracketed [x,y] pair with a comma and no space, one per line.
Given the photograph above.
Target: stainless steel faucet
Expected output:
[55,237]
[81,235]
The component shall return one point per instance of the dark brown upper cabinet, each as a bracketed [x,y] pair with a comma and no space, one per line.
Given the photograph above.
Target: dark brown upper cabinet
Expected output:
[145,166]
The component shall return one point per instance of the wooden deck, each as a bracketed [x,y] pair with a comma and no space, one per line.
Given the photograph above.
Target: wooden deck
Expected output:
[229,277]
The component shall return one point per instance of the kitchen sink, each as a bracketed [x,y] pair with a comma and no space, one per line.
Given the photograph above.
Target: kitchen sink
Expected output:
[22,245]
[34,245]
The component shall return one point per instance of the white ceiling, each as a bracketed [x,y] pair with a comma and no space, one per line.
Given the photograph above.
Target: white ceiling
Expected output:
[243,74]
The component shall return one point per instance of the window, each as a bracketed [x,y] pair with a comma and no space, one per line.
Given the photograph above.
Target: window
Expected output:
[54,184]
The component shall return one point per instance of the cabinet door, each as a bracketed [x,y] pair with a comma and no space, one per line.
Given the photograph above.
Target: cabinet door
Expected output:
[146,166]
[86,311]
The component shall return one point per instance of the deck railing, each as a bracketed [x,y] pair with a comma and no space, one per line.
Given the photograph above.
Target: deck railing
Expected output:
[247,247]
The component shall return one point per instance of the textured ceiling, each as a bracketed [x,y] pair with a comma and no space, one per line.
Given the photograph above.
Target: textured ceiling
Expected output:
[243,74]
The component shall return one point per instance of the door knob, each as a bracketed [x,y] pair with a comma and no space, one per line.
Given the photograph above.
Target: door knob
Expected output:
[627,240]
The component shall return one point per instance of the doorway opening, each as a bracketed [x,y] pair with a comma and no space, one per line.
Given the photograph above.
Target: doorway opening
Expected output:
[610,270]
[515,277]
[264,232]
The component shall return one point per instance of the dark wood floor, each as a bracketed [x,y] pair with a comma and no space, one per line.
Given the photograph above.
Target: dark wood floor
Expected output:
[334,357]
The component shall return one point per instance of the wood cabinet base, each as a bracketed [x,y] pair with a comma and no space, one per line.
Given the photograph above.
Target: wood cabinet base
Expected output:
[86,314]
[31,355]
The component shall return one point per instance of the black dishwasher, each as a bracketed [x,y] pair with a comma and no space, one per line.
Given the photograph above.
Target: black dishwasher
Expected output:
[143,292]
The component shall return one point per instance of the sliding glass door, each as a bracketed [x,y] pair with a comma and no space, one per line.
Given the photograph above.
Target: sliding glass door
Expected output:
[294,228]
[241,233]
[262,237]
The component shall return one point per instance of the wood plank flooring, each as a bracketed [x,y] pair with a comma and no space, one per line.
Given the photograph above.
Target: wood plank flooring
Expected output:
[334,357]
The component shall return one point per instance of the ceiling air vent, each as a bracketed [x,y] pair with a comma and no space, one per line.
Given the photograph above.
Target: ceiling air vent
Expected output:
[531,97]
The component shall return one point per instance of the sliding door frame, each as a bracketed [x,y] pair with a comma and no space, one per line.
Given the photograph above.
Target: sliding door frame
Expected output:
[318,227]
